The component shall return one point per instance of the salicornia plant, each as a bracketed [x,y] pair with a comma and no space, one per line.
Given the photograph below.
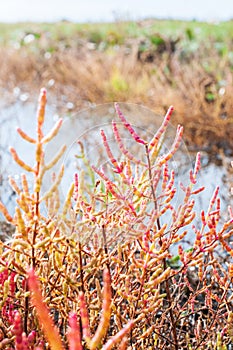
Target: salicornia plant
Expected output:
[107,269]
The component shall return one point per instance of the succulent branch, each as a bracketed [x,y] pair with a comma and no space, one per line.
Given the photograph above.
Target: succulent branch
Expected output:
[112,266]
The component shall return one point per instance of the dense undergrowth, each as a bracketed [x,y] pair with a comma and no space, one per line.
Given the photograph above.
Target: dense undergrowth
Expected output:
[106,268]
[135,62]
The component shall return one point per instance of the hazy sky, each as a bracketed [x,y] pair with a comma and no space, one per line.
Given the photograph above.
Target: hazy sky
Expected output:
[97,10]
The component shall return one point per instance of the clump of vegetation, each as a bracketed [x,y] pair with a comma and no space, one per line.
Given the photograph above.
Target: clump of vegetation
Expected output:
[129,61]
[107,268]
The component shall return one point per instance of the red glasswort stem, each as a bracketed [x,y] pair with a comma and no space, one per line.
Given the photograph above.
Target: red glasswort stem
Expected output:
[176,346]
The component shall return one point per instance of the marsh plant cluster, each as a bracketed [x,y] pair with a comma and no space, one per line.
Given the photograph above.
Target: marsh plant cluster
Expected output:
[106,268]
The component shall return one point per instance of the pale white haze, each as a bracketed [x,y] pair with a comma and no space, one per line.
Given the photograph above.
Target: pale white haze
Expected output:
[109,10]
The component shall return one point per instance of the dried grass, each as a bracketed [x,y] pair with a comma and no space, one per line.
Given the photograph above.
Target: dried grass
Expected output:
[198,84]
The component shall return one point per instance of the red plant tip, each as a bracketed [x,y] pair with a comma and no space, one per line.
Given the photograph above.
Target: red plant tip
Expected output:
[73,333]
[155,140]
[50,330]
[43,91]
[31,272]
[84,316]
[17,324]
[197,164]
[31,337]
[72,317]
[42,96]
[230,212]
[128,125]
[18,331]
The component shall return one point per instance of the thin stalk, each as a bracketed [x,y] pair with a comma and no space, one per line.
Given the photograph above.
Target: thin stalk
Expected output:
[106,249]
[167,285]
[152,189]
[106,245]
[26,309]
[139,295]
[82,283]
[35,229]
[33,256]
[81,267]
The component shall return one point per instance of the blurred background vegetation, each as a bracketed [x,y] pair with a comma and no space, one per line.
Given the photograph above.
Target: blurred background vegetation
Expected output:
[151,62]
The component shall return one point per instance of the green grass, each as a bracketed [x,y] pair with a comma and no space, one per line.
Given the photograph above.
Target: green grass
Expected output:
[116,33]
